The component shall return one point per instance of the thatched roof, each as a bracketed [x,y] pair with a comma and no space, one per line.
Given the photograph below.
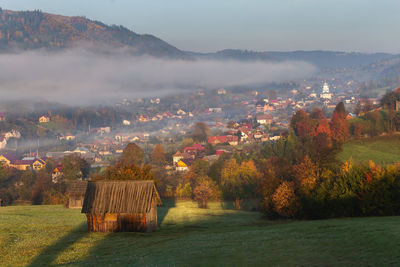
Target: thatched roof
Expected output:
[119,197]
[77,188]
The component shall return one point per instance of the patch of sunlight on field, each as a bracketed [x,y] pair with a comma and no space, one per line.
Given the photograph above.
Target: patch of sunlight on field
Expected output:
[186,213]
[189,236]
[29,230]
[81,249]
[382,150]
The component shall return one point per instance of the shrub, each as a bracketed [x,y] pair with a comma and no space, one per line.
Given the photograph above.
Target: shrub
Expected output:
[285,201]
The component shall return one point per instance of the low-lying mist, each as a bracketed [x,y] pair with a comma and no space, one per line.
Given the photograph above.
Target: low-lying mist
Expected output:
[80,77]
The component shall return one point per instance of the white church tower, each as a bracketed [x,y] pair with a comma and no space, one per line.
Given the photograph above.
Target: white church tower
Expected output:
[325,92]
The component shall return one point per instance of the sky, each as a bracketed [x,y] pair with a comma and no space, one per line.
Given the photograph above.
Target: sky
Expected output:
[261,25]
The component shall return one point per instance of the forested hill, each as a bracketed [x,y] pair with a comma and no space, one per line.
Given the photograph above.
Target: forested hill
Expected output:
[27,30]
[322,59]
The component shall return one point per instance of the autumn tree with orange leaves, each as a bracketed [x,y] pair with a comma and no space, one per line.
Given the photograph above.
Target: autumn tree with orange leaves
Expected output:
[339,125]
[285,201]
[306,175]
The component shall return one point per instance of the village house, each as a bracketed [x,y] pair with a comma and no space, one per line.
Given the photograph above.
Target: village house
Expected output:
[143,118]
[44,119]
[177,157]
[181,112]
[117,206]
[221,91]
[274,138]
[184,164]
[135,139]
[38,163]
[210,158]
[105,152]
[229,139]
[245,133]
[264,119]
[7,158]
[262,106]
[194,149]
[68,137]
[155,101]
[167,114]
[215,110]
[57,173]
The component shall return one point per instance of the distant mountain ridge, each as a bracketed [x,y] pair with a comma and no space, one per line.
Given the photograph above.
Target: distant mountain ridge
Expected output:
[323,59]
[28,30]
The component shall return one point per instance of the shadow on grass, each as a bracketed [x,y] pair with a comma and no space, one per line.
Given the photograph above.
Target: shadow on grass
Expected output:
[245,205]
[50,253]
[211,237]
[176,234]
[177,228]
[162,212]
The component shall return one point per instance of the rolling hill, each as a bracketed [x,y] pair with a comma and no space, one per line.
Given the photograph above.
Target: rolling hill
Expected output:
[27,30]
[322,59]
[189,236]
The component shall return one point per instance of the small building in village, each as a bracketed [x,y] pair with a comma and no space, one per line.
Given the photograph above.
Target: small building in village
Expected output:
[57,173]
[76,194]
[264,119]
[184,164]
[121,206]
[44,119]
[177,157]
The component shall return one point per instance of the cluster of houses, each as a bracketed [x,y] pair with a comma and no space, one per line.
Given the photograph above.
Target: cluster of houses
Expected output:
[180,114]
[34,163]
[242,133]
[182,161]
[26,163]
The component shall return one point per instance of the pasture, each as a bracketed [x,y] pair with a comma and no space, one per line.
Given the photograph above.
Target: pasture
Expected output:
[189,236]
[382,150]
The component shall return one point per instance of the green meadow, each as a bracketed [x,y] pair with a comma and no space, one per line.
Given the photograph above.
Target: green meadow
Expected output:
[381,150]
[189,236]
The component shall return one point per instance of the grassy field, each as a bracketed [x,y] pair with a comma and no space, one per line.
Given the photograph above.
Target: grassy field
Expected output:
[189,236]
[382,150]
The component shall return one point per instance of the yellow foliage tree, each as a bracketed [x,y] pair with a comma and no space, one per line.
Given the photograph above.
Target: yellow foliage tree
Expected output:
[285,201]
[306,174]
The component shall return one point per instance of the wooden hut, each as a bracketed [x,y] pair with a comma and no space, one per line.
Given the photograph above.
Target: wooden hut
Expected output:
[114,206]
[76,193]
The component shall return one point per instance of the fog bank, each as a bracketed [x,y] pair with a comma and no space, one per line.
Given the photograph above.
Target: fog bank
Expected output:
[80,77]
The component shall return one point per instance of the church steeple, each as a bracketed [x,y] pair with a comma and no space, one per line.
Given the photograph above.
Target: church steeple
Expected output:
[325,92]
[325,88]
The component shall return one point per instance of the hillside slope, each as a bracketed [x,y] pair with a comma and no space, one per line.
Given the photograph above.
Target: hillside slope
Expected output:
[26,30]
[381,150]
[189,236]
